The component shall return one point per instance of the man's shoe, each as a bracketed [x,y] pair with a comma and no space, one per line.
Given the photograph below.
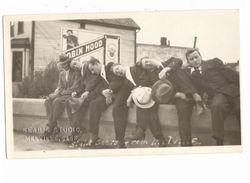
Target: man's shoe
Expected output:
[219,141]
[121,144]
[93,138]
[139,135]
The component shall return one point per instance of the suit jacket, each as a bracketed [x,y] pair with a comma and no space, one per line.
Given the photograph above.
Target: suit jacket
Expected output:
[88,80]
[140,76]
[73,84]
[179,78]
[216,78]
[112,82]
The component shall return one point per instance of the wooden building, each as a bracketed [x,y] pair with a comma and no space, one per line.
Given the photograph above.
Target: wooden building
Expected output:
[36,43]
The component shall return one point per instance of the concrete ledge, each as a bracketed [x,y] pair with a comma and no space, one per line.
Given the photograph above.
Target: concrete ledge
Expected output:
[167,114]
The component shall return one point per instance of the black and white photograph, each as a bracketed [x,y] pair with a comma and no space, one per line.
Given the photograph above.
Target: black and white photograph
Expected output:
[122,83]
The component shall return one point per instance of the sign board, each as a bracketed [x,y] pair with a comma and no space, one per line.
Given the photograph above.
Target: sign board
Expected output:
[81,44]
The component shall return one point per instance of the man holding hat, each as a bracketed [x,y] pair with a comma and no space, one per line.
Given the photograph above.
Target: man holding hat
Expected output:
[175,86]
[146,109]
[68,85]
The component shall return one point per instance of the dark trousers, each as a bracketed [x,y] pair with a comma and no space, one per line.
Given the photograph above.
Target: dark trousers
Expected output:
[96,108]
[120,112]
[184,112]
[220,107]
[149,118]
[76,118]
[54,109]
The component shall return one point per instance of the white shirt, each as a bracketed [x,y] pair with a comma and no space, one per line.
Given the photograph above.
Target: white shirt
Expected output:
[194,69]
[67,75]
[103,74]
[129,76]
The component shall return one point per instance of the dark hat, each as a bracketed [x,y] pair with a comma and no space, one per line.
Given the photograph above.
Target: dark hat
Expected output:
[63,60]
[75,104]
[162,91]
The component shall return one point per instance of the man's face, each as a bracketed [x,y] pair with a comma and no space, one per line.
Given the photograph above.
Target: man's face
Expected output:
[76,65]
[194,59]
[148,64]
[119,70]
[95,68]
[69,33]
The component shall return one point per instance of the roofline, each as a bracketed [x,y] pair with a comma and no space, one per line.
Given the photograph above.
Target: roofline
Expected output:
[105,24]
[158,45]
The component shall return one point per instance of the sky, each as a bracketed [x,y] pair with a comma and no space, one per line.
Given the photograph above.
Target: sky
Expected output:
[217,31]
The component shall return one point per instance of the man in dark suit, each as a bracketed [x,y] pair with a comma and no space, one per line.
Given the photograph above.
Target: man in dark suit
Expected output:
[134,76]
[186,96]
[99,98]
[73,105]
[221,85]
[68,85]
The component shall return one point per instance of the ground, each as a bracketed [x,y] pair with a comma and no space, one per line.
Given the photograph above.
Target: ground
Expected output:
[29,139]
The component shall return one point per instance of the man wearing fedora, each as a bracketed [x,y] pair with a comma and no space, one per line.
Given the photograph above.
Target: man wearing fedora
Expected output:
[146,109]
[222,87]
[175,86]
[68,85]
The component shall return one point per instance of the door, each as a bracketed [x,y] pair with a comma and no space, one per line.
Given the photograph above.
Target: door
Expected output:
[17,66]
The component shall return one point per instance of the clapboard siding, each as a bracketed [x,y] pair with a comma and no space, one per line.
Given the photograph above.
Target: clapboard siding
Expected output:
[48,41]
[127,41]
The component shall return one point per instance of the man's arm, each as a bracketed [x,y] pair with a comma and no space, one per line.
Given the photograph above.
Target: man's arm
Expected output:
[75,85]
[231,75]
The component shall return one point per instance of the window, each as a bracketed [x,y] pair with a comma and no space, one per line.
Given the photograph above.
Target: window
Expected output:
[20,28]
[17,66]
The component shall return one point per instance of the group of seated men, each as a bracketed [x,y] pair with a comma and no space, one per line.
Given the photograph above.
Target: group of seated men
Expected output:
[94,86]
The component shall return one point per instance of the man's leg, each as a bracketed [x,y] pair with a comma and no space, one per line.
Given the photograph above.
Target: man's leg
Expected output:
[155,126]
[120,116]
[184,113]
[219,109]
[236,106]
[76,119]
[54,109]
[96,107]
[142,118]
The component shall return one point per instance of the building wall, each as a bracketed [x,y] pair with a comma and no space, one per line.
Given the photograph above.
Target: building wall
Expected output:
[127,41]
[48,41]
[160,52]
[27,29]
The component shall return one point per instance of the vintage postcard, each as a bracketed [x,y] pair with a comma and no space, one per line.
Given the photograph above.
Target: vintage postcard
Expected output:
[134,83]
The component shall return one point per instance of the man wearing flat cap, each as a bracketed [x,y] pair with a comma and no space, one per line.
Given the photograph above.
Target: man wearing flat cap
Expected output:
[68,85]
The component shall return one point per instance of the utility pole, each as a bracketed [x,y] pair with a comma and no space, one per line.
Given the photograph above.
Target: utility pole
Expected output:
[195,40]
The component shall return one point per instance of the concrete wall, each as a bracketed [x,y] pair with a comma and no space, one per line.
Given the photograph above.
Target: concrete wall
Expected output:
[161,53]
[167,114]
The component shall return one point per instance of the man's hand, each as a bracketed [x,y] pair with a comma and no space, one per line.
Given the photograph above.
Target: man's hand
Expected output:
[108,100]
[73,94]
[85,94]
[129,101]
[107,92]
[52,96]
[162,74]
[181,95]
[197,98]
